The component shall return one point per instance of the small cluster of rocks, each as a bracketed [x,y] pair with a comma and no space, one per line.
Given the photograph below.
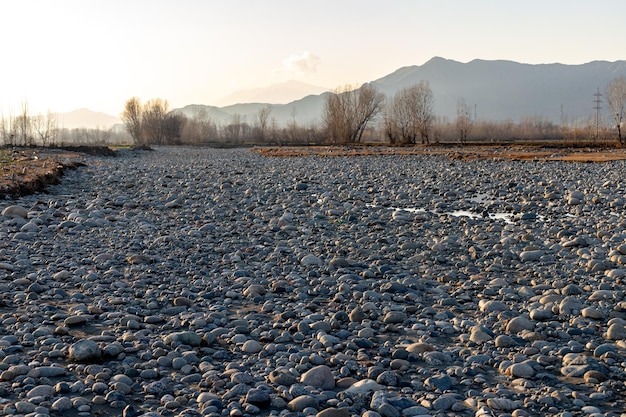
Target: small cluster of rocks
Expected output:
[202,282]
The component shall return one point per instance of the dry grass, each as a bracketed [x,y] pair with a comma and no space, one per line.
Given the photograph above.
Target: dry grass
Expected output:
[515,153]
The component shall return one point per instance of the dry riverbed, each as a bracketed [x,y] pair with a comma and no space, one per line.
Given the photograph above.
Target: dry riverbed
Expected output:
[204,282]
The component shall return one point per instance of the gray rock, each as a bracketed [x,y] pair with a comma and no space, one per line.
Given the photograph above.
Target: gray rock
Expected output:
[282,377]
[616,331]
[23,407]
[62,404]
[334,412]
[46,391]
[251,346]
[517,324]
[394,317]
[15,211]
[388,378]
[504,404]
[541,314]
[521,370]
[531,255]
[440,382]
[258,397]
[387,410]
[320,377]
[302,402]
[446,401]
[84,351]
[159,388]
[311,260]
[184,338]
[364,386]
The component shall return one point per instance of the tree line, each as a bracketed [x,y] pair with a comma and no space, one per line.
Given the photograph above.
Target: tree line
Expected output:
[151,123]
[352,115]
[24,128]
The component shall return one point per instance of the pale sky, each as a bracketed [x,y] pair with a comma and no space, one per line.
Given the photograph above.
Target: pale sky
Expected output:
[63,55]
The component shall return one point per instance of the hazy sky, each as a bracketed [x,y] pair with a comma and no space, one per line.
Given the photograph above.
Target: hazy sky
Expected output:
[67,54]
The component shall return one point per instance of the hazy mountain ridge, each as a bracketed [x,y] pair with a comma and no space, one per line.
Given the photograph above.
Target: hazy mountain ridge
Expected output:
[496,89]
[275,94]
[509,90]
[85,118]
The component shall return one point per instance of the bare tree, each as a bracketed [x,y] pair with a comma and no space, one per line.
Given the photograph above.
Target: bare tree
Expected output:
[409,114]
[276,137]
[347,112]
[151,123]
[207,128]
[6,130]
[616,98]
[173,124]
[24,126]
[400,119]
[45,127]
[368,105]
[335,116]
[237,130]
[292,128]
[424,110]
[132,118]
[153,120]
[199,128]
[263,116]
[463,120]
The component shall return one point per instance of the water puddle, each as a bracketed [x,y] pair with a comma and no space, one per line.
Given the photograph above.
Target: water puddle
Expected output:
[506,217]
[484,199]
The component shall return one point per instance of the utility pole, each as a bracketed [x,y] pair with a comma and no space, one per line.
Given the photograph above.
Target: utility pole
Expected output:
[597,100]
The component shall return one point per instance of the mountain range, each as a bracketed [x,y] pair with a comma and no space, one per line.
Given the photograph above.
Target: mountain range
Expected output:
[495,90]
[85,118]
[502,90]
[276,93]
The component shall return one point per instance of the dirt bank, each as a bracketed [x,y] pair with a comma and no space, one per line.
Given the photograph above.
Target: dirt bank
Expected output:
[30,170]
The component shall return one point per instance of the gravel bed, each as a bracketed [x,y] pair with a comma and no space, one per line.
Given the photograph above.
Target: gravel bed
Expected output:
[203,282]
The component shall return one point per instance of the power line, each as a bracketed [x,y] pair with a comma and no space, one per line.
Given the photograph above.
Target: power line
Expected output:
[597,107]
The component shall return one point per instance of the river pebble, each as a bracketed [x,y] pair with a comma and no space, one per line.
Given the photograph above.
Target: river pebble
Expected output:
[196,281]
